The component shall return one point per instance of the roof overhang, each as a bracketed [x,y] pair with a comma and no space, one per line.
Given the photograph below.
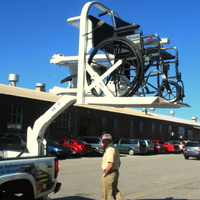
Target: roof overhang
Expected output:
[27,93]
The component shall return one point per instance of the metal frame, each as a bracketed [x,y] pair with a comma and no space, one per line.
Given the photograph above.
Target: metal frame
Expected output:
[78,64]
[81,94]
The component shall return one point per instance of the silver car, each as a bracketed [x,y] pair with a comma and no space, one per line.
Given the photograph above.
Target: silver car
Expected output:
[130,146]
[13,141]
[149,146]
[192,149]
[95,142]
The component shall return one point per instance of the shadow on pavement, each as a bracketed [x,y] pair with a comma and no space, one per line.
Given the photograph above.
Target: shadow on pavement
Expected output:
[84,198]
[169,198]
[73,198]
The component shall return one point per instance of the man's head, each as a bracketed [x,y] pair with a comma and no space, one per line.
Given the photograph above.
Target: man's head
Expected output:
[107,139]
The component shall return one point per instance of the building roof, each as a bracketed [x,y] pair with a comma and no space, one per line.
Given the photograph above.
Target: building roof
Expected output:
[27,93]
[44,96]
[177,120]
[126,111]
[133,112]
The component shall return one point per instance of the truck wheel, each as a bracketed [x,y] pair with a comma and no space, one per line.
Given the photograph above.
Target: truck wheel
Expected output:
[28,192]
[131,152]
[18,189]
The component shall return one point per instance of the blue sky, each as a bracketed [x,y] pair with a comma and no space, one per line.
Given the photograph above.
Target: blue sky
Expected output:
[32,31]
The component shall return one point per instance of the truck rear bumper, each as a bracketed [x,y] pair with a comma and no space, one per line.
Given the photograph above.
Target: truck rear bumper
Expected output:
[57,188]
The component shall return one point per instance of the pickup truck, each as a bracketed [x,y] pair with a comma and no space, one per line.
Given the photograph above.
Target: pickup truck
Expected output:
[28,178]
[167,146]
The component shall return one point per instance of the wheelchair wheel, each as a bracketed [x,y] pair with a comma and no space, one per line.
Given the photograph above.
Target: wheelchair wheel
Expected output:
[126,79]
[172,94]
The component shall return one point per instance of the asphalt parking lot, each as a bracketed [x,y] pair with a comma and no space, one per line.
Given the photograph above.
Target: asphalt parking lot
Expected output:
[163,176]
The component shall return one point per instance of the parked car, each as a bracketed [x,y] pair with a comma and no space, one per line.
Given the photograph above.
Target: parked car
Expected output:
[179,143]
[158,148]
[13,141]
[192,149]
[95,142]
[79,147]
[174,148]
[54,148]
[167,146]
[149,146]
[185,142]
[130,146]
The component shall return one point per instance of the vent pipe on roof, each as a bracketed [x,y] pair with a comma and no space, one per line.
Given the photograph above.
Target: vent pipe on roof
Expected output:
[172,112]
[144,110]
[13,78]
[40,87]
[194,119]
[152,110]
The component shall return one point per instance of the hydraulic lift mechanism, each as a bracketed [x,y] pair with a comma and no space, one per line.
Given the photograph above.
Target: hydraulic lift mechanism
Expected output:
[114,67]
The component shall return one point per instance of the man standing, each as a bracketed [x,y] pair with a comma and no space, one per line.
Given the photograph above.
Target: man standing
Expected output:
[110,165]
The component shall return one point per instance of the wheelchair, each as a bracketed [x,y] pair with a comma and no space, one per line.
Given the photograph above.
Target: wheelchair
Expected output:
[147,67]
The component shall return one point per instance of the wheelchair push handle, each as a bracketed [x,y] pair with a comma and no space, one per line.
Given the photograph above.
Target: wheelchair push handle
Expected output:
[104,13]
[131,26]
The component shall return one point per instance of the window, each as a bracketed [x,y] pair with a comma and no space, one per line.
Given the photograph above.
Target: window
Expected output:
[190,135]
[92,140]
[104,124]
[181,132]
[170,131]
[116,127]
[65,122]
[125,141]
[153,127]
[15,117]
[69,142]
[133,141]
[160,128]
[61,142]
[131,128]
[141,126]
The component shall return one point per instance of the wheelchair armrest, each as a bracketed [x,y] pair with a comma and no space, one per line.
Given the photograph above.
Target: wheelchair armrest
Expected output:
[151,42]
[126,28]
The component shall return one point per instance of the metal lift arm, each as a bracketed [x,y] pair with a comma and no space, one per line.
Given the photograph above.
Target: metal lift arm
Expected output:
[35,136]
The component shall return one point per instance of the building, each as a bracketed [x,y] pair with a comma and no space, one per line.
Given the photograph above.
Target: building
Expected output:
[21,107]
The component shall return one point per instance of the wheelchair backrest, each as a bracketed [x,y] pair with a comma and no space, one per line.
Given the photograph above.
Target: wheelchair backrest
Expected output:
[103,32]
[117,30]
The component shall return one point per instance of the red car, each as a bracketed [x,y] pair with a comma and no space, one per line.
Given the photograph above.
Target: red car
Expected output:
[158,148]
[78,147]
[168,147]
